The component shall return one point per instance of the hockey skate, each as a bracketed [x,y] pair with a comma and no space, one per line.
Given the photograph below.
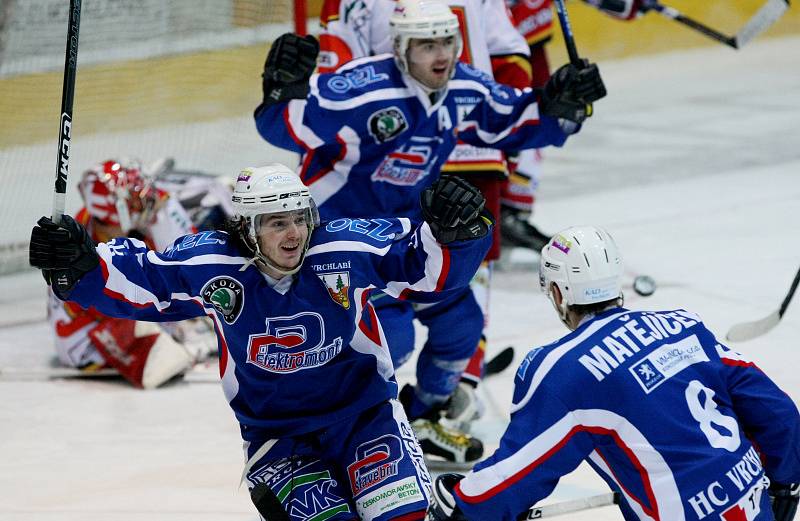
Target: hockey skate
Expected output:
[516,231]
[463,408]
[445,448]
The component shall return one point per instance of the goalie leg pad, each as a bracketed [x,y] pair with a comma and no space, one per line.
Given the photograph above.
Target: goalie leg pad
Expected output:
[140,351]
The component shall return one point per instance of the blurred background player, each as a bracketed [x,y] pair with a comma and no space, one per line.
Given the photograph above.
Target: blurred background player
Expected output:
[534,21]
[353,29]
[375,134]
[303,357]
[121,200]
[678,424]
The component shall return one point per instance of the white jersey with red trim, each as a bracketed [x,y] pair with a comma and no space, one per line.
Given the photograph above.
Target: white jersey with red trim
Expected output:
[359,28]
[680,425]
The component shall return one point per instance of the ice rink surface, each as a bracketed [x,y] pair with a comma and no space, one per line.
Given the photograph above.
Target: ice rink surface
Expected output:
[692,162]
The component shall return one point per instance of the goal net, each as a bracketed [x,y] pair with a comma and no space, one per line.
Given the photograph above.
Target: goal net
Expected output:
[156,79]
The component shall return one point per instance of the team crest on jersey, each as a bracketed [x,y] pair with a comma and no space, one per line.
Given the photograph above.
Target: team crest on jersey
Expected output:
[387,124]
[338,284]
[226,295]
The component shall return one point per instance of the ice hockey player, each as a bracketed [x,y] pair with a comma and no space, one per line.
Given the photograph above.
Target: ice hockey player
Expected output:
[353,29]
[303,357]
[374,135]
[680,425]
[119,200]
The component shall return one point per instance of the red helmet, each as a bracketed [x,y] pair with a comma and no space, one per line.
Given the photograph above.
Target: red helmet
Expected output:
[118,193]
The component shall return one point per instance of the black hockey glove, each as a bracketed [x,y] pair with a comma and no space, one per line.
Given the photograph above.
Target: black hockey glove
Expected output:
[290,63]
[453,209]
[443,507]
[64,253]
[570,92]
[784,499]
[623,9]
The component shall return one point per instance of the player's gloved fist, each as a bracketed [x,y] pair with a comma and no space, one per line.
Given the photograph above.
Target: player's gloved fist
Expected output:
[453,209]
[624,9]
[290,63]
[443,507]
[784,499]
[571,90]
[64,252]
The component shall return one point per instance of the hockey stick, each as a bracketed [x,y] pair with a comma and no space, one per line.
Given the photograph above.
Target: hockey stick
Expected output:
[573,505]
[566,30]
[67,96]
[769,13]
[750,330]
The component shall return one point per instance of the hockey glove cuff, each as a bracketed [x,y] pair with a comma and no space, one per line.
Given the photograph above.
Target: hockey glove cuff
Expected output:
[784,499]
[289,65]
[570,92]
[443,506]
[454,209]
[64,252]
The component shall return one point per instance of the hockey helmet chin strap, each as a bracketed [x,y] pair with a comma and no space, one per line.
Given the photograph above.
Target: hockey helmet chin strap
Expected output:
[262,261]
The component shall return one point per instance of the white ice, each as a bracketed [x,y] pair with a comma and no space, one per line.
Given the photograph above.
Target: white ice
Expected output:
[692,162]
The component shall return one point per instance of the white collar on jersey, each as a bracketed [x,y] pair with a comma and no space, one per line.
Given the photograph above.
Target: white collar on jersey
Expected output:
[280,285]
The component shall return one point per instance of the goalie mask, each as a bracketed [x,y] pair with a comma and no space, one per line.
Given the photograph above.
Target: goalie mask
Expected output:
[422,20]
[117,193]
[585,263]
[266,201]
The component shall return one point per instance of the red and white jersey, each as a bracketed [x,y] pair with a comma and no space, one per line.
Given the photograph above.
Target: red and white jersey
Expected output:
[72,324]
[533,19]
[357,28]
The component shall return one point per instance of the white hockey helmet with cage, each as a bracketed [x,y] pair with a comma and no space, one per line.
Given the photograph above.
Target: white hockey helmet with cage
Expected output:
[421,19]
[270,189]
[586,265]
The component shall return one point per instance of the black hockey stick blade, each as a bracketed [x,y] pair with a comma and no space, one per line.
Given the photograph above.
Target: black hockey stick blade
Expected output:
[500,361]
[749,330]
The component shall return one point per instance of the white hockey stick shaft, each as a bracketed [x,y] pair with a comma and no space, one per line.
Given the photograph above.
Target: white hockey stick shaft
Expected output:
[749,330]
[573,505]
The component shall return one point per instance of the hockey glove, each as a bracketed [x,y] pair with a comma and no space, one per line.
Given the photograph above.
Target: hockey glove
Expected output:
[570,92]
[64,252]
[453,209]
[784,499]
[443,507]
[290,63]
[623,9]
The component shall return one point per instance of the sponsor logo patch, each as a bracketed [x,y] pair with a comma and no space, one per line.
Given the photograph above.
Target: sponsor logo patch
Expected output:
[389,497]
[376,461]
[387,124]
[338,285]
[292,344]
[666,361]
[562,243]
[226,295]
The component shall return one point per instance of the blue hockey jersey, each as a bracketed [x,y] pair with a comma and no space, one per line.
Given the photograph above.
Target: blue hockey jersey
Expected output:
[372,141]
[683,427]
[296,360]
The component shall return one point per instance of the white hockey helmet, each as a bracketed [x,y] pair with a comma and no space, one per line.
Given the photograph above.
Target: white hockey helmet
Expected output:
[421,19]
[585,263]
[272,188]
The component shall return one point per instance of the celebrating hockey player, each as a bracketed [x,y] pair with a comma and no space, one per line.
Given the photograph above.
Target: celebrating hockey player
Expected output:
[682,427]
[375,134]
[355,29]
[119,199]
[303,356]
